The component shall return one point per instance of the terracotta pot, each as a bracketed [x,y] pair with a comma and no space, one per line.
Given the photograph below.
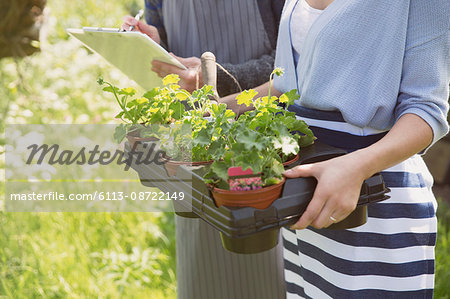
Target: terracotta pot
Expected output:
[134,137]
[172,165]
[292,161]
[258,199]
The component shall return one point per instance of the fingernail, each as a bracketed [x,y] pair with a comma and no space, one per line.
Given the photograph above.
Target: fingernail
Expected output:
[293,227]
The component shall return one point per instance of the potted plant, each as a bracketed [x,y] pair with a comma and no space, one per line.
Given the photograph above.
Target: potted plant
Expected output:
[142,116]
[195,139]
[250,171]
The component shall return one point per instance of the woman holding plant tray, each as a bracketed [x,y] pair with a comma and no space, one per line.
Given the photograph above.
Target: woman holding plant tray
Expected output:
[242,35]
[373,79]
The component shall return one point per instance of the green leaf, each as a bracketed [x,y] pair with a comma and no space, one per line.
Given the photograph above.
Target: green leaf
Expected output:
[120,114]
[289,97]
[300,126]
[273,169]
[306,140]
[271,181]
[220,169]
[246,97]
[250,159]
[129,91]
[120,132]
[217,109]
[217,149]
[178,109]
[229,114]
[131,103]
[250,139]
[110,89]
[151,93]
[207,89]
[182,96]
[203,137]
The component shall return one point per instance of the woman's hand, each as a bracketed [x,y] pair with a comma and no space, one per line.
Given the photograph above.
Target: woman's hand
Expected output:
[140,26]
[340,179]
[190,79]
[337,192]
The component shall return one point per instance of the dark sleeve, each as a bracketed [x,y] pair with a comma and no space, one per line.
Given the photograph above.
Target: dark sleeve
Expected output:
[256,71]
[277,8]
[249,74]
[154,17]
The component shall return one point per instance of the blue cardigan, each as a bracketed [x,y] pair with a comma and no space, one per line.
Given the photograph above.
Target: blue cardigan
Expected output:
[373,61]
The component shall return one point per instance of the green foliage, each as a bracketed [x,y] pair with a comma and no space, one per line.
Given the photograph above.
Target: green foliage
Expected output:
[158,106]
[261,139]
[86,255]
[443,251]
[76,255]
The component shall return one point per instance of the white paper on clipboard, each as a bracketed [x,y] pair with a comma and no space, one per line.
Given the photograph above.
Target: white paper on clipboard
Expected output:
[131,52]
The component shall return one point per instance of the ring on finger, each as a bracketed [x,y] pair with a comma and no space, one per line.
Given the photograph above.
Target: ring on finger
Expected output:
[333,219]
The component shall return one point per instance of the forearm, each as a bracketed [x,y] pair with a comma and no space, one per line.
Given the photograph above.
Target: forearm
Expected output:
[410,135]
[340,179]
[263,90]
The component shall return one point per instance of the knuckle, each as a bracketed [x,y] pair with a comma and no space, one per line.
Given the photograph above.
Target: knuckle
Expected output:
[309,215]
[317,224]
[345,206]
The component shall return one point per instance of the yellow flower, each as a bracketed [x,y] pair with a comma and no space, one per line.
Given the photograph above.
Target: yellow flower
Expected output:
[153,110]
[171,79]
[141,100]
[128,90]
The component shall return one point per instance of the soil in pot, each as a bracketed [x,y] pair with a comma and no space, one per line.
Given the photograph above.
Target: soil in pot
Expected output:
[258,198]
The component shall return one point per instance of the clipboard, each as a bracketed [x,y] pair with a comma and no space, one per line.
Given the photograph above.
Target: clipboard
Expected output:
[130,51]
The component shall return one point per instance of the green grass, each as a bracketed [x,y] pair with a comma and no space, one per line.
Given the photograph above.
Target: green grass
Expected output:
[87,255]
[76,255]
[442,289]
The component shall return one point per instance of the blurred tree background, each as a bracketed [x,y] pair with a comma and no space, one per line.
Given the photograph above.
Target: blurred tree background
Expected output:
[80,255]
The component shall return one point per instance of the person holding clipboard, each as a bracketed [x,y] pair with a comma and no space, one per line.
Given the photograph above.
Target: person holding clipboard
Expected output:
[242,35]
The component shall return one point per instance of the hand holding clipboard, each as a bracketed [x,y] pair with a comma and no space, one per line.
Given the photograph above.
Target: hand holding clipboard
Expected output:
[131,52]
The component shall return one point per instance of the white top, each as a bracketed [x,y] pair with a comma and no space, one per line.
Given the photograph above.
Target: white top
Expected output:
[302,18]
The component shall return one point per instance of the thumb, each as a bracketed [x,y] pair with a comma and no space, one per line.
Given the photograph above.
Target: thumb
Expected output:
[299,171]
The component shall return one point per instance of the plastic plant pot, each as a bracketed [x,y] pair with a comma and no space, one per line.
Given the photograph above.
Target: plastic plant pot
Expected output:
[171,166]
[291,161]
[258,198]
[255,243]
[133,137]
[248,224]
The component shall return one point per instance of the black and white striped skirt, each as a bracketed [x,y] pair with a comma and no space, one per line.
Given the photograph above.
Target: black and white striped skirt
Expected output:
[391,256]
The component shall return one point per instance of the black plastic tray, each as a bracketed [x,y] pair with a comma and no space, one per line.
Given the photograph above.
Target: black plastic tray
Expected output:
[250,230]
